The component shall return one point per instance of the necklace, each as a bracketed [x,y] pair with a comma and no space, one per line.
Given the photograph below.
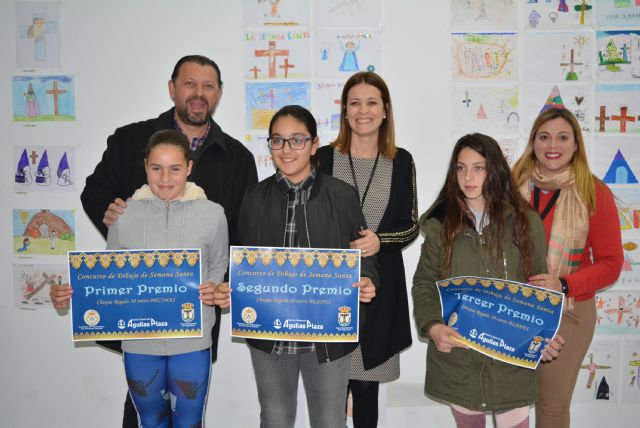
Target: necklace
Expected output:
[355,182]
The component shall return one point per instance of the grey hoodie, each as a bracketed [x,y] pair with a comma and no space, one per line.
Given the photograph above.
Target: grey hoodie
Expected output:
[191,222]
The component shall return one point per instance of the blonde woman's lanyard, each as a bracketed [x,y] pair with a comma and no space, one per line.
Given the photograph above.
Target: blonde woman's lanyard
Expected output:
[355,182]
[550,204]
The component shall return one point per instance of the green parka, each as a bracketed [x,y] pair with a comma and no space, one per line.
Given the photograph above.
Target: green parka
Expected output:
[464,376]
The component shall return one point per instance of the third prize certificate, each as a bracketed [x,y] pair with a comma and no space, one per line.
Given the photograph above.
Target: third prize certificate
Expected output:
[506,320]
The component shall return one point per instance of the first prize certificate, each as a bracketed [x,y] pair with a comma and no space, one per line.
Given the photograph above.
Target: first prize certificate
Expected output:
[135,294]
[294,294]
[506,320]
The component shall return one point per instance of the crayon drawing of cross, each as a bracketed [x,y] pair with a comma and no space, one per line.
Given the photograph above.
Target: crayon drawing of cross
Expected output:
[602,118]
[592,367]
[255,70]
[571,75]
[272,53]
[466,100]
[37,31]
[55,92]
[286,66]
[620,310]
[623,118]
[582,8]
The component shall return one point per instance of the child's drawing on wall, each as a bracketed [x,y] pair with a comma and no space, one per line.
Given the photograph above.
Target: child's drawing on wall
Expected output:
[350,59]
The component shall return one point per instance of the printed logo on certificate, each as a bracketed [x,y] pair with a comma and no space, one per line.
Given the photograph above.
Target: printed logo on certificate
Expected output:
[294,294]
[135,294]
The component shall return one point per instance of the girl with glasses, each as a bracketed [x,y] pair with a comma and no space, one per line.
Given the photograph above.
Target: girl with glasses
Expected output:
[301,207]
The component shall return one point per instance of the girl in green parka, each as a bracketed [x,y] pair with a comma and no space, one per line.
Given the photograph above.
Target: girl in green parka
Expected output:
[480,226]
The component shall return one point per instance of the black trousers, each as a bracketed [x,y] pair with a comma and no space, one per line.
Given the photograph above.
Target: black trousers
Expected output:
[365,403]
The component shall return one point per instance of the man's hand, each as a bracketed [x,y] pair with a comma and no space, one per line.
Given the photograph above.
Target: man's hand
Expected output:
[114,210]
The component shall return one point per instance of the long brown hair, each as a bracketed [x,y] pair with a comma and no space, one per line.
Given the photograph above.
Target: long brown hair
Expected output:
[523,168]
[500,195]
[386,134]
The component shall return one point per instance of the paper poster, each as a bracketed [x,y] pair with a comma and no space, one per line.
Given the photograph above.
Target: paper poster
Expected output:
[617,160]
[479,15]
[618,312]
[326,109]
[43,232]
[575,97]
[506,320]
[294,294]
[510,149]
[135,294]
[337,54]
[618,13]
[348,13]
[257,145]
[631,372]
[630,275]
[263,100]
[617,109]
[38,34]
[628,201]
[258,13]
[618,55]
[32,283]
[484,56]
[556,57]
[44,169]
[486,109]
[598,378]
[277,55]
[43,98]
[558,14]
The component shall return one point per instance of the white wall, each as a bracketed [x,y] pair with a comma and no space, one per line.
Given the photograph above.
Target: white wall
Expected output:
[121,53]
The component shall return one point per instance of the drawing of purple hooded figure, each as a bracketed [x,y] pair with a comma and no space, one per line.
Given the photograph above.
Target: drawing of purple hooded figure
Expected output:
[64,172]
[33,109]
[23,171]
[43,173]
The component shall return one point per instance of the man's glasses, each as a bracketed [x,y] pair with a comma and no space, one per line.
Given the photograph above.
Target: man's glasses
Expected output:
[296,143]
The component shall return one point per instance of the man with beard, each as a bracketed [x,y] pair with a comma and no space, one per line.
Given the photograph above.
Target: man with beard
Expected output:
[222,166]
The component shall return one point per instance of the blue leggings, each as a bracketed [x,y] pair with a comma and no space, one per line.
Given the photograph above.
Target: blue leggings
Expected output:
[173,386]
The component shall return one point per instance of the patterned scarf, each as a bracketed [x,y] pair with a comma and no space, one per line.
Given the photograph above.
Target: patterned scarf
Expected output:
[570,222]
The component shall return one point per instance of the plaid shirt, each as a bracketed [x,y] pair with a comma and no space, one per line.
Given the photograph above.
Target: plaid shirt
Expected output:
[297,194]
[196,142]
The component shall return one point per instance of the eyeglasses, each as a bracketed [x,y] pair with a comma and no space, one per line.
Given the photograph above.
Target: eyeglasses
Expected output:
[296,143]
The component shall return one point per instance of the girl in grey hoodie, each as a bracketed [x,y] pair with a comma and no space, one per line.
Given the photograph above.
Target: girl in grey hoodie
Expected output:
[169,378]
